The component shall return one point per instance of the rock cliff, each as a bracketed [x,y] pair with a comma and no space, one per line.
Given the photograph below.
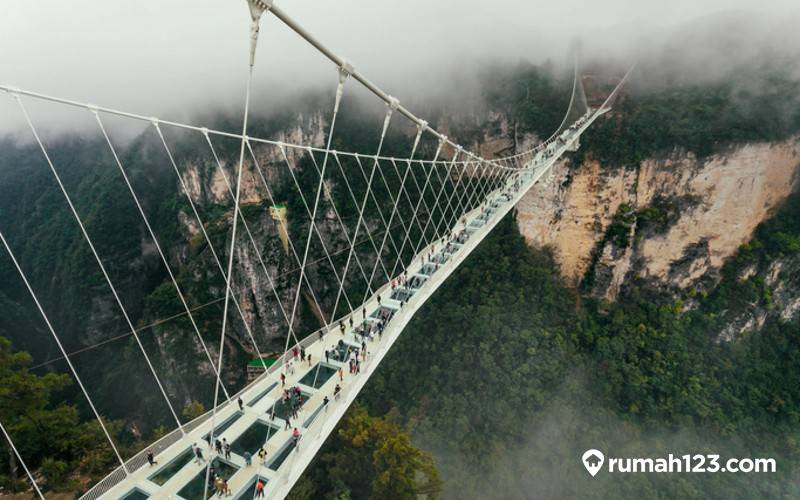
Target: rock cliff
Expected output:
[696,214]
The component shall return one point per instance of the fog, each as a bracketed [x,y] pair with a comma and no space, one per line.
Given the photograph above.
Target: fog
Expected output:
[546,463]
[179,59]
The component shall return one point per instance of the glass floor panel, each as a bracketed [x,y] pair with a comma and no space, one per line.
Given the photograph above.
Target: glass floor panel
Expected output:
[401,294]
[441,258]
[262,394]
[364,328]
[253,438]
[416,281]
[283,409]
[339,353]
[249,491]
[428,269]
[166,472]
[194,489]
[282,455]
[310,420]
[383,313]
[218,430]
[318,375]
[136,494]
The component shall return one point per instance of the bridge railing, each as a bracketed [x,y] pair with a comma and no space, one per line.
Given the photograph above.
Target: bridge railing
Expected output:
[316,429]
[140,459]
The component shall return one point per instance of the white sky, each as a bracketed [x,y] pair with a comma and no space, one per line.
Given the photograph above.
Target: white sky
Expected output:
[174,58]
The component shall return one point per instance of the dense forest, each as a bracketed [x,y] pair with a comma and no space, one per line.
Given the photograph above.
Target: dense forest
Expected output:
[507,375]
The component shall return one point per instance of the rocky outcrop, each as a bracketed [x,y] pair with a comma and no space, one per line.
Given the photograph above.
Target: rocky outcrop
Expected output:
[717,204]
[207,183]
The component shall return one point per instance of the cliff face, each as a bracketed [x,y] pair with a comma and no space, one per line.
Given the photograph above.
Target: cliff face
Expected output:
[673,221]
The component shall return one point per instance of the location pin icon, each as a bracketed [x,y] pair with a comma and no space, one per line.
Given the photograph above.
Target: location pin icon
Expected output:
[593,461]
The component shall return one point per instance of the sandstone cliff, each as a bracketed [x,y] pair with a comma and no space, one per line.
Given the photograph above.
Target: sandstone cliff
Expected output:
[714,205]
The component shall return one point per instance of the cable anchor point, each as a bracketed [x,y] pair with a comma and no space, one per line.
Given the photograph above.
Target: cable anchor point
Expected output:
[257,9]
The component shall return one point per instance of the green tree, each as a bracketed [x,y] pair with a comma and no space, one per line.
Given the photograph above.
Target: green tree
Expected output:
[47,432]
[25,410]
[369,457]
[193,409]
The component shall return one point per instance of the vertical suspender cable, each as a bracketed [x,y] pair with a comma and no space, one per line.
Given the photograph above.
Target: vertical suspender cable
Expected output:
[344,73]
[256,10]
[202,227]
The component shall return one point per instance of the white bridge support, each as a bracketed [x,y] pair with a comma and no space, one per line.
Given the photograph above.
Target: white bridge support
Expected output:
[284,465]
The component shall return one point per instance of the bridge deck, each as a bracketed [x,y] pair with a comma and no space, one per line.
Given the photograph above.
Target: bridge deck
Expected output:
[177,475]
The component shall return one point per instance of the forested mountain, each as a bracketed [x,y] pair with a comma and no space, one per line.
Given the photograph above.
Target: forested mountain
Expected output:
[653,310]
[644,299]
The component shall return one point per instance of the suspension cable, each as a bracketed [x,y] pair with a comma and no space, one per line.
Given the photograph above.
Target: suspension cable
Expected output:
[21,461]
[330,199]
[259,256]
[313,223]
[64,352]
[99,261]
[152,233]
[420,202]
[344,73]
[364,222]
[386,121]
[256,10]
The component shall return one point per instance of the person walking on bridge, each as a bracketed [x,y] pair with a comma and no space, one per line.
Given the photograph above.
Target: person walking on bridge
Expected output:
[198,454]
[225,488]
[296,438]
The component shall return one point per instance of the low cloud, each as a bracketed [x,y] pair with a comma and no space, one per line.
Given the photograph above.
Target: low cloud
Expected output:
[185,59]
